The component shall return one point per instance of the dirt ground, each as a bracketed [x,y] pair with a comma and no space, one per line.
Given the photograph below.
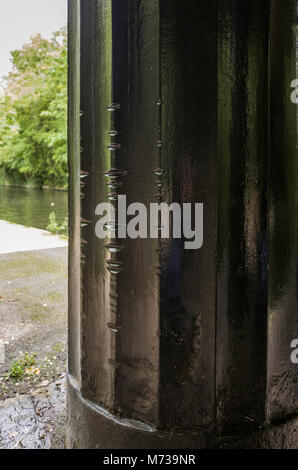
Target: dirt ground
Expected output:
[33,336]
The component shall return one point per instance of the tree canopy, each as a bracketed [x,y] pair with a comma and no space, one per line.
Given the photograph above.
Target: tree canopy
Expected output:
[33,113]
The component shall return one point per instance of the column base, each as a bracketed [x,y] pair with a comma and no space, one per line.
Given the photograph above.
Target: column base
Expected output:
[91,427]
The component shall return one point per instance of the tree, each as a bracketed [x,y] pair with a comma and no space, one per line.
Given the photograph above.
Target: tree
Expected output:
[33,113]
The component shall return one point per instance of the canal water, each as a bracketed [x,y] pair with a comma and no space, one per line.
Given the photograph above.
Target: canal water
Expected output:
[32,207]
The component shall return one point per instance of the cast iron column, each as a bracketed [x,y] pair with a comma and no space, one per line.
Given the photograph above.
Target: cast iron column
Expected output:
[183,101]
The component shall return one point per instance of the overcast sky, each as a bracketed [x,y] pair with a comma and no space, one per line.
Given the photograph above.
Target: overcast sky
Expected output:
[19,19]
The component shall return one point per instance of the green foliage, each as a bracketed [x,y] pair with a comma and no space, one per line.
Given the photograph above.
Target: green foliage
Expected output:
[58,348]
[54,227]
[17,370]
[33,113]
[19,366]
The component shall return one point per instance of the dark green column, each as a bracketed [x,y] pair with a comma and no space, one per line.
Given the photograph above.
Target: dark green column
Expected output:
[242,258]
[182,101]
[282,377]
[188,119]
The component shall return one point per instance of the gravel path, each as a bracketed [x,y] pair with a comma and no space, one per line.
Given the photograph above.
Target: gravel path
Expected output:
[33,335]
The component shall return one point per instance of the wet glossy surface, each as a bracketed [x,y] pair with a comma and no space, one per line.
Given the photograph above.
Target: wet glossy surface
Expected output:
[242,212]
[119,283]
[188,75]
[175,108]
[135,62]
[97,107]
[282,399]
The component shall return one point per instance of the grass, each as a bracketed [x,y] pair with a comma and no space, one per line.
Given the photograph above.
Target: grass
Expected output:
[32,372]
[54,227]
[29,265]
[21,367]
[59,347]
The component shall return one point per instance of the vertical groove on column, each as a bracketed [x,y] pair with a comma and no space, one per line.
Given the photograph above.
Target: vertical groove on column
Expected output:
[188,49]
[96,97]
[74,328]
[242,213]
[135,88]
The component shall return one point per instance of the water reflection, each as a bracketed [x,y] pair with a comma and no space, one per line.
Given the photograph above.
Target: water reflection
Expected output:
[31,207]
